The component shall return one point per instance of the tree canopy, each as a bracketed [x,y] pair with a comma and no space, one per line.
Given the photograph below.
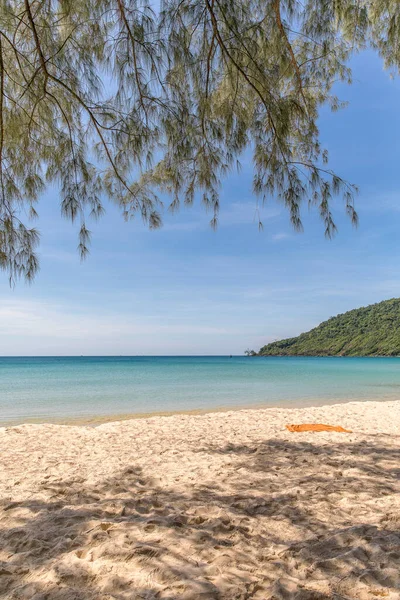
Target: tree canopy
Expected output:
[118,99]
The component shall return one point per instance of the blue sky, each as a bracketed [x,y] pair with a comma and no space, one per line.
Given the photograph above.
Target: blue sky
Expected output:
[186,289]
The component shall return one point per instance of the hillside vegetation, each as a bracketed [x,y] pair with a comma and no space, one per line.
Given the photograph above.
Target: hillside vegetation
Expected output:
[368,331]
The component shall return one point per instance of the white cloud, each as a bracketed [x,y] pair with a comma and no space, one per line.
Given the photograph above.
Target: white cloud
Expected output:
[34,327]
[231,213]
[380,203]
[277,237]
[238,213]
[185,226]
[59,255]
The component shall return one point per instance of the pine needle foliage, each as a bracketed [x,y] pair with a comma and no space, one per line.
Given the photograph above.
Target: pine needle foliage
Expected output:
[113,99]
[372,330]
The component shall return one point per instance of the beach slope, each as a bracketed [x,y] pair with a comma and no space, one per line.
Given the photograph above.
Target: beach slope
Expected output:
[216,506]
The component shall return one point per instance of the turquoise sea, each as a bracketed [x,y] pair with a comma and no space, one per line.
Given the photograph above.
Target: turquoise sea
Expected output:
[82,388]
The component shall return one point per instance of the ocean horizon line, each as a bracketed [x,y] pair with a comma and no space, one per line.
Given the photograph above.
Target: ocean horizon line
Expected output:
[226,355]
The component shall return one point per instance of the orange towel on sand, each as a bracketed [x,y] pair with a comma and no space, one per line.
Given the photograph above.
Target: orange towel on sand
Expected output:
[317,427]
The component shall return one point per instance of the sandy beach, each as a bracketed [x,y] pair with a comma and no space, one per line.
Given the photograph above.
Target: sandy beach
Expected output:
[227,506]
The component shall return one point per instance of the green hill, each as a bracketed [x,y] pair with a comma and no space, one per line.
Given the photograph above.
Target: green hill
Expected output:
[368,331]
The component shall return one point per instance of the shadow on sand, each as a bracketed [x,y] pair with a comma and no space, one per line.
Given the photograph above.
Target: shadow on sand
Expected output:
[275,532]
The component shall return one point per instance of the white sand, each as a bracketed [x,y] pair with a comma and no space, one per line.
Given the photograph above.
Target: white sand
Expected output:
[216,506]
